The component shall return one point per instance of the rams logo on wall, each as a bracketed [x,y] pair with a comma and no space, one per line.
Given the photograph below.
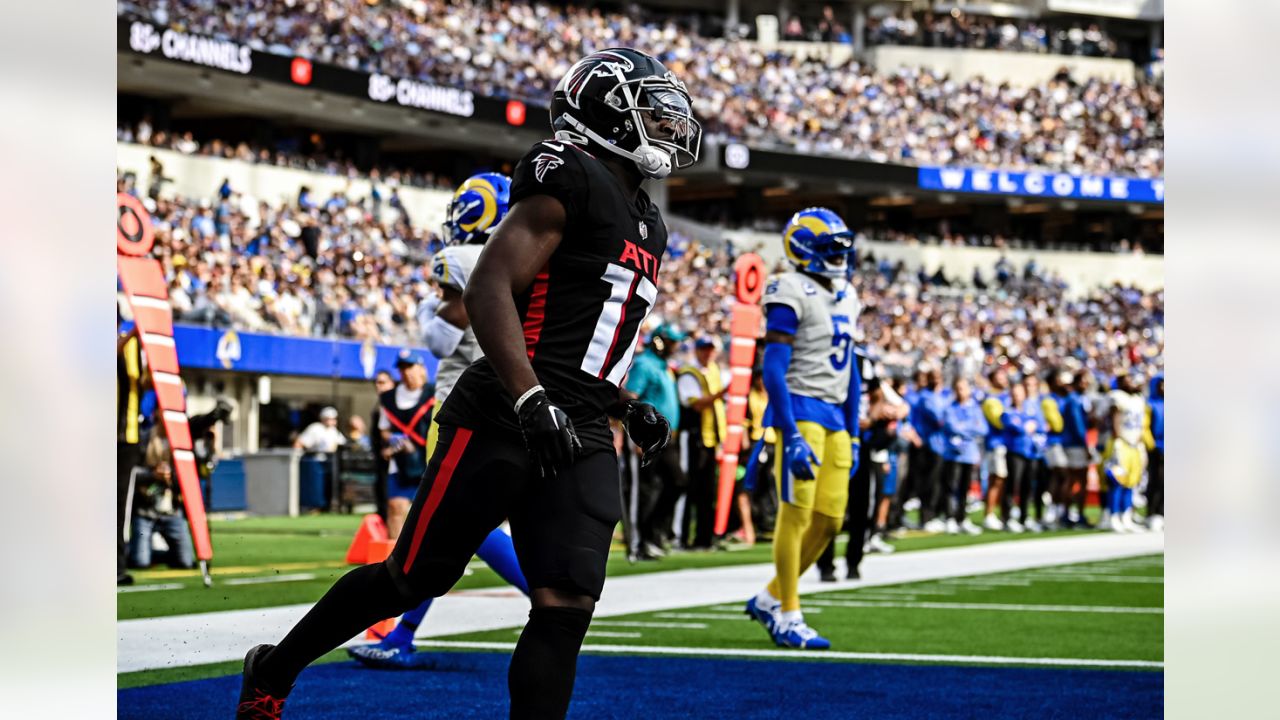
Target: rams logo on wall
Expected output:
[368,358]
[228,352]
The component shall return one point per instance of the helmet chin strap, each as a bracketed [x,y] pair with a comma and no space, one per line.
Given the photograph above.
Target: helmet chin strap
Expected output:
[650,161]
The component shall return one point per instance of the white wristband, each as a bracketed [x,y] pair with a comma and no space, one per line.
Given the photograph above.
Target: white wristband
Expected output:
[527,394]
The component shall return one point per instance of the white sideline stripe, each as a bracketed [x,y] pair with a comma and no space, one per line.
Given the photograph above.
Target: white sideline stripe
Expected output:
[731,608]
[1106,609]
[1125,572]
[894,591]
[596,633]
[882,598]
[819,654]
[149,588]
[1070,577]
[648,624]
[295,577]
[991,581]
[699,616]
[224,635]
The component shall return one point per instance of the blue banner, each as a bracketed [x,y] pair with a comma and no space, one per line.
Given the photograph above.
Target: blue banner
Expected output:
[226,349]
[1048,185]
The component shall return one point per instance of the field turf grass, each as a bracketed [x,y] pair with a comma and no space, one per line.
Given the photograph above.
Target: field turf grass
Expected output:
[1078,616]
[267,562]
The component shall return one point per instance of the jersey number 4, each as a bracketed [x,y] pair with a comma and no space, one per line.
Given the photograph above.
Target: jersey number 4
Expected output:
[617,311]
[841,341]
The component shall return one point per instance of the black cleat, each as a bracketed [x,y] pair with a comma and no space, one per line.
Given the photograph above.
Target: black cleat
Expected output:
[853,574]
[256,702]
[827,574]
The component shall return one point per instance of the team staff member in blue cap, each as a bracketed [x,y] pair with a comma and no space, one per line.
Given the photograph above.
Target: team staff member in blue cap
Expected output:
[404,424]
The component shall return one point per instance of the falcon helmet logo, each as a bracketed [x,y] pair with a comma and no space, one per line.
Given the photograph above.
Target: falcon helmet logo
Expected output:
[605,63]
[545,163]
[644,231]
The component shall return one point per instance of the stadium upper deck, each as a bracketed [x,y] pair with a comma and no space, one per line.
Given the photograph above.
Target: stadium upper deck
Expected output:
[905,115]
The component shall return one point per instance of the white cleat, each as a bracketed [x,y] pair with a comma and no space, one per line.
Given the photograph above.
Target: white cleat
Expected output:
[1130,524]
[1014,526]
[1156,523]
[991,522]
[1034,527]
[969,528]
[877,545]
[936,525]
[953,527]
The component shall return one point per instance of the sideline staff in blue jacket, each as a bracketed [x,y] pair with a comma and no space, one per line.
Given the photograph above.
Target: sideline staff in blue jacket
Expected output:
[964,427]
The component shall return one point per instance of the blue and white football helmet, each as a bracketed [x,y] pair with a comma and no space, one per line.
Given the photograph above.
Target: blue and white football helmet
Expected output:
[817,241]
[477,207]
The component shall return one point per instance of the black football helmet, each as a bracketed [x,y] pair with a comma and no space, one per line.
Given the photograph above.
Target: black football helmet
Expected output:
[601,100]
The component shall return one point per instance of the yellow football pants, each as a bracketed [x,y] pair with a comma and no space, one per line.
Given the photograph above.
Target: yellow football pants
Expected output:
[811,511]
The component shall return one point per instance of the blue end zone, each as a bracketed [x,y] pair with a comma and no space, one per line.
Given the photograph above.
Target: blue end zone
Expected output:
[474,685]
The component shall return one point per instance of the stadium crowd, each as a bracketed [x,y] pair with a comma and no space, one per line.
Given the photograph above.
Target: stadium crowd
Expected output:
[326,267]
[352,267]
[286,153]
[960,30]
[741,92]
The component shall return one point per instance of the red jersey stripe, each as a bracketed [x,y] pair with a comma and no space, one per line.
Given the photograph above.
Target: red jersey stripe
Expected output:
[456,447]
[536,313]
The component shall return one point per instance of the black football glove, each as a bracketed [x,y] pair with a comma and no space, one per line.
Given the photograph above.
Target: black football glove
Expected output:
[647,428]
[548,433]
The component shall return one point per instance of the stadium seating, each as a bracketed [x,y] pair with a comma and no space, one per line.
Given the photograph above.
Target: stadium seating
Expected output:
[910,114]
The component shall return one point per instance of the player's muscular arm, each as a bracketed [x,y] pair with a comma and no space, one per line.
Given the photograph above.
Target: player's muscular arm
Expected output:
[452,310]
[517,250]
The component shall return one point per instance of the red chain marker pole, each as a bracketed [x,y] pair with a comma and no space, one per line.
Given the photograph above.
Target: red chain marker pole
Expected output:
[744,330]
[143,281]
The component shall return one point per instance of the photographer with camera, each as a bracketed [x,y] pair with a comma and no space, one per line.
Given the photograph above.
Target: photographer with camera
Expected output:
[157,495]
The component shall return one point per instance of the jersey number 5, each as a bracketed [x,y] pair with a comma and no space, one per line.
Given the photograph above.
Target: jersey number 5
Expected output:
[841,341]
[606,339]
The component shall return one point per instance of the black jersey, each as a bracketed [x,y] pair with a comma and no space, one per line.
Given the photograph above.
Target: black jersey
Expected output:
[582,313]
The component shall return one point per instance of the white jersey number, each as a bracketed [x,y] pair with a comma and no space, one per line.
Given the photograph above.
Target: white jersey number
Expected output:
[605,340]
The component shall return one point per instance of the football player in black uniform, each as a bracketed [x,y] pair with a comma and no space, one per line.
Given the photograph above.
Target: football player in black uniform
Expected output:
[556,300]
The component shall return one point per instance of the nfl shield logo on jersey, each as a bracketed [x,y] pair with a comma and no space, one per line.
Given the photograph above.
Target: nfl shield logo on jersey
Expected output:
[644,231]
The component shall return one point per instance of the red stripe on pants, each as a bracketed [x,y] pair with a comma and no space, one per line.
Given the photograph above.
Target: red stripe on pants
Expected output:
[536,312]
[456,446]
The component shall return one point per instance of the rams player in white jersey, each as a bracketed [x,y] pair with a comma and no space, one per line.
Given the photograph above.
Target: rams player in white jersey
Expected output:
[813,383]
[1125,458]
[477,207]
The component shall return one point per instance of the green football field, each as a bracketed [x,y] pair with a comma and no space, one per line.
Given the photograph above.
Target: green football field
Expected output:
[1101,611]
[1099,615]
[265,562]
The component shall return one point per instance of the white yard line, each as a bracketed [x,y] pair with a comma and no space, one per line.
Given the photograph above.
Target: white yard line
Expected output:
[1105,609]
[822,654]
[1073,577]
[922,590]
[648,624]
[986,582]
[149,588]
[221,636]
[265,579]
[697,616]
